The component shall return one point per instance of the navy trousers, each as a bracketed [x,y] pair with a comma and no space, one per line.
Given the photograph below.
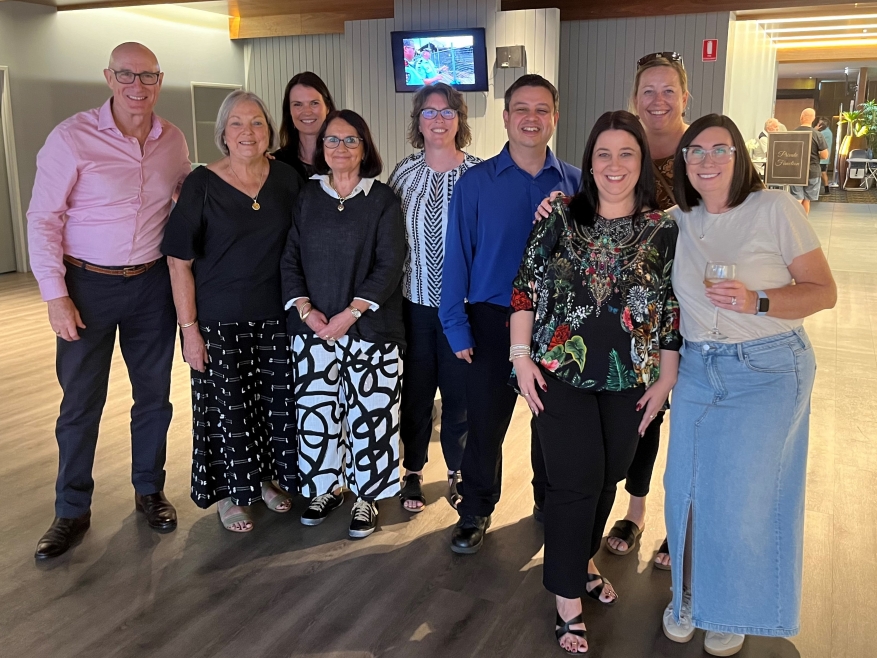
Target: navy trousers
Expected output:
[142,309]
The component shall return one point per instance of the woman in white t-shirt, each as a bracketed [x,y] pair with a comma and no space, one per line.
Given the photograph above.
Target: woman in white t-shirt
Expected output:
[737,461]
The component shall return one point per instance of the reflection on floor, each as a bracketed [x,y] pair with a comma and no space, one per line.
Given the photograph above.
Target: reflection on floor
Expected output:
[286,590]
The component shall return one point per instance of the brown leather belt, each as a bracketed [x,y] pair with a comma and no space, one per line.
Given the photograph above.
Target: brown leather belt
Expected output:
[131,270]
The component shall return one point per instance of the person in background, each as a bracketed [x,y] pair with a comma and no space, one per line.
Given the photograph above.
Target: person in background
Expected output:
[427,68]
[105,182]
[223,242]
[823,125]
[737,460]
[424,182]
[412,76]
[490,217]
[306,103]
[818,151]
[342,273]
[595,341]
[770,126]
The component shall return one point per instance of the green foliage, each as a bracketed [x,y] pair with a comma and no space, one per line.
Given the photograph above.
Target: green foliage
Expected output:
[576,348]
[620,376]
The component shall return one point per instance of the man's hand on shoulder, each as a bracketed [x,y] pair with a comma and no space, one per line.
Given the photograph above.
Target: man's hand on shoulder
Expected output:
[64,318]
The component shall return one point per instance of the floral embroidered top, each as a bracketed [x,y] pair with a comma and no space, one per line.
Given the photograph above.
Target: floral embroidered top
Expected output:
[602,297]
[664,175]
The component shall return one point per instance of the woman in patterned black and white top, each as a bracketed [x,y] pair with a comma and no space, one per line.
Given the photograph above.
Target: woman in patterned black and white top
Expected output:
[424,181]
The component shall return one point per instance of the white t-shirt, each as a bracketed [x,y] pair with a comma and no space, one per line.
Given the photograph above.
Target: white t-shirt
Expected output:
[763,235]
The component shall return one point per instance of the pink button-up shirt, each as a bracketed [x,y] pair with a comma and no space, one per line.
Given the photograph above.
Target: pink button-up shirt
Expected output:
[99,198]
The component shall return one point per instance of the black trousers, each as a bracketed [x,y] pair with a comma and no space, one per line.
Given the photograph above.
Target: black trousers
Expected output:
[588,440]
[142,309]
[430,363]
[490,402]
[639,475]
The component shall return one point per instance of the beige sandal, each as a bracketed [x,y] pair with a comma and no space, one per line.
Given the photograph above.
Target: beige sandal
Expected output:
[228,520]
[275,498]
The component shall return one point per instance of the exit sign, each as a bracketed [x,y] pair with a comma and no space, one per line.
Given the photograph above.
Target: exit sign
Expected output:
[710,50]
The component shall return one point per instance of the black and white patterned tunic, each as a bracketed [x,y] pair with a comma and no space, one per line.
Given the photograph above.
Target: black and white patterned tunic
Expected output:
[425,195]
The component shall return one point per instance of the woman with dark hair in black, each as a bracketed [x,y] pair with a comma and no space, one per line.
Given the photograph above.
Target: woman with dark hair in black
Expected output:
[342,275]
[595,340]
[306,104]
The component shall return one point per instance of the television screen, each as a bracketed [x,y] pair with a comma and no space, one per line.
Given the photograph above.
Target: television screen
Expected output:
[455,57]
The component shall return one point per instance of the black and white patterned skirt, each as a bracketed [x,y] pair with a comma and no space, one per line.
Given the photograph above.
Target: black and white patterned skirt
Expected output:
[243,413]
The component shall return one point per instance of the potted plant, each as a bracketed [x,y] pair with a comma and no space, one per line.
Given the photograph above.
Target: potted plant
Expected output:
[868,127]
[855,137]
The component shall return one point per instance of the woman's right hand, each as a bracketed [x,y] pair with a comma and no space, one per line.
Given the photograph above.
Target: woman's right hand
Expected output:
[194,349]
[530,380]
[316,321]
[544,209]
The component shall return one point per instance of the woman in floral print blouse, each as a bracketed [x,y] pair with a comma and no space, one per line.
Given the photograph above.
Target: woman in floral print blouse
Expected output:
[595,340]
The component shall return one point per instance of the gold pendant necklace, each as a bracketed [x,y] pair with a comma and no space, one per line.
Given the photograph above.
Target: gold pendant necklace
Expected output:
[341,199]
[255,199]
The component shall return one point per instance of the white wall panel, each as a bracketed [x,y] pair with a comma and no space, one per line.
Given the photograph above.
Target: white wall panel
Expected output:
[599,63]
[750,81]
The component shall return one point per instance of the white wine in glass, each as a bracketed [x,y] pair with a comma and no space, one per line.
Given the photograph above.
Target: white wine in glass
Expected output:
[718,271]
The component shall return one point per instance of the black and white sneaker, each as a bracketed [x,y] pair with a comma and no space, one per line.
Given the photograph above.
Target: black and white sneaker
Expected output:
[365,518]
[320,508]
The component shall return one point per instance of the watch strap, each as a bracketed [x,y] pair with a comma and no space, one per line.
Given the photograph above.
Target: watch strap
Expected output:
[763,304]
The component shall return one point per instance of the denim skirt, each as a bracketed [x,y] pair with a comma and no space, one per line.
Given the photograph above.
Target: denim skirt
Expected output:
[737,464]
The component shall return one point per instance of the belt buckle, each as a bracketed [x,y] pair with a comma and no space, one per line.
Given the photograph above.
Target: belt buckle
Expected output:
[129,271]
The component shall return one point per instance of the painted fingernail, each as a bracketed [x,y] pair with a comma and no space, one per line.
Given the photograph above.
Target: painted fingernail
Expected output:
[544,387]
[638,406]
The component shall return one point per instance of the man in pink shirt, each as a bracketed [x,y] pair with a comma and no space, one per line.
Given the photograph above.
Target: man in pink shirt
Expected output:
[102,195]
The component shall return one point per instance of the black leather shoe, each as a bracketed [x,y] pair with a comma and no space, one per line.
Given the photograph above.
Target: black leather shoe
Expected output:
[61,536]
[468,535]
[160,514]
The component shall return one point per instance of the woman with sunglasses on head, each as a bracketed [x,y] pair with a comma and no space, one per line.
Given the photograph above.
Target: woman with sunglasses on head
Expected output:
[306,104]
[737,460]
[341,272]
[424,182]
[594,334]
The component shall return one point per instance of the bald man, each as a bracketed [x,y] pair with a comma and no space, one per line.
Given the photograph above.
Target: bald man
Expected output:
[103,190]
[818,151]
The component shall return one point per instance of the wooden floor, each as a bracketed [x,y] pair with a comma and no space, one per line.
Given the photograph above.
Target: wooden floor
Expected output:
[286,590]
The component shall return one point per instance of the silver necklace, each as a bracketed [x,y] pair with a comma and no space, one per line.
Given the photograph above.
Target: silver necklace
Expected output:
[255,199]
[341,199]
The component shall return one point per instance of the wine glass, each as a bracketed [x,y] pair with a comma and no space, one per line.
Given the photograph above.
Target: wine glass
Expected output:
[718,271]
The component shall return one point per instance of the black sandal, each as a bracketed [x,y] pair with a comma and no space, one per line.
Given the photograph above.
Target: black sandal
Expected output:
[453,494]
[412,491]
[626,531]
[665,548]
[595,593]
[566,630]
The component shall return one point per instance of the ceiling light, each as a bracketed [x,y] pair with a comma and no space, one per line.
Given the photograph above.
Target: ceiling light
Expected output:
[821,28]
[871,41]
[813,19]
[815,37]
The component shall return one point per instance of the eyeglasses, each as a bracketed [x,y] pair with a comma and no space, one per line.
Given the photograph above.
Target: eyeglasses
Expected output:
[669,56]
[720,155]
[430,113]
[332,142]
[127,77]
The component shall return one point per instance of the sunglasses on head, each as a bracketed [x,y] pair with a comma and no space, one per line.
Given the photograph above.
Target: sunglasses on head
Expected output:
[670,57]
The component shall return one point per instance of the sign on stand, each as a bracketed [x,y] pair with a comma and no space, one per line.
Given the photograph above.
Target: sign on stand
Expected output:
[788,158]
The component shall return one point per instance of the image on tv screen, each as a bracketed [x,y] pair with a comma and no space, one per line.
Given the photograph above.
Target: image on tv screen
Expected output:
[439,59]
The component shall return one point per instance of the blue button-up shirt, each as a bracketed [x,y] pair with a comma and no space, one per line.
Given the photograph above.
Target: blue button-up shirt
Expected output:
[489,221]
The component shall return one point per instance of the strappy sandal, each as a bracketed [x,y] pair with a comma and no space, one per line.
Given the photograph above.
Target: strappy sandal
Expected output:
[274,498]
[665,548]
[626,531]
[228,520]
[454,495]
[598,589]
[412,491]
[566,630]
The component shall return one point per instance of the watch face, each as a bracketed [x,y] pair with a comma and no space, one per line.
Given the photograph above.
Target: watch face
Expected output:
[763,304]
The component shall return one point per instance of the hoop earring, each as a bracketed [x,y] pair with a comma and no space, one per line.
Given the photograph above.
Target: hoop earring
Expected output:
[592,171]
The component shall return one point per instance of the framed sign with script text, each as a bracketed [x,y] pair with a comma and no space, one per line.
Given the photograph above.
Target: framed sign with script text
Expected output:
[788,158]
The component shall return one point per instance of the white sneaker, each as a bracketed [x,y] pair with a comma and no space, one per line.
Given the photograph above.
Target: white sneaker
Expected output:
[722,644]
[682,631]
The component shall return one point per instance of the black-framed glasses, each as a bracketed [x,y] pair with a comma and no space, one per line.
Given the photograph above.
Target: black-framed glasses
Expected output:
[669,56]
[720,154]
[148,78]
[332,142]
[431,113]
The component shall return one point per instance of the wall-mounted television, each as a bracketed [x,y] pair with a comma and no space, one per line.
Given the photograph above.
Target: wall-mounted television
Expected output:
[425,57]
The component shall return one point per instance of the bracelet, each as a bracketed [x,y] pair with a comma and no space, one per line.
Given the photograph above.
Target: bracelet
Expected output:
[519,356]
[518,351]
[189,324]
[304,314]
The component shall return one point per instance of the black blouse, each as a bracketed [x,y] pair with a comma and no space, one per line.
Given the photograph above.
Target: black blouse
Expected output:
[236,250]
[290,156]
[333,257]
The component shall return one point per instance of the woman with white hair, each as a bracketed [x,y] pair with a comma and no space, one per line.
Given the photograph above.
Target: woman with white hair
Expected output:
[224,240]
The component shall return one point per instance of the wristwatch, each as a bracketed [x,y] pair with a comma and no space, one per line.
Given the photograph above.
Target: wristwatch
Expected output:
[356,312]
[762,304]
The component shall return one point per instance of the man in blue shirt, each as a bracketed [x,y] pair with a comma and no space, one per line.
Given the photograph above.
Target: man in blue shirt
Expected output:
[489,221]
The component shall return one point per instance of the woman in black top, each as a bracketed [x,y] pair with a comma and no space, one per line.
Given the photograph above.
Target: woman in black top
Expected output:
[342,272]
[595,340]
[224,240]
[306,104]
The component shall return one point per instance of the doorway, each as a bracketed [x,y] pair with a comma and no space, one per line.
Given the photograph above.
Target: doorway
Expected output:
[12,249]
